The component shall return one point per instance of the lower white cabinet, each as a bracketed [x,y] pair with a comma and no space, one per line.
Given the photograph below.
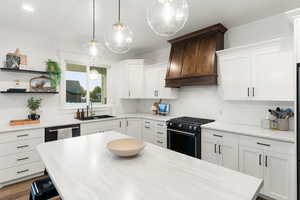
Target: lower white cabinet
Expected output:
[272,161]
[102,126]
[18,156]
[273,167]
[134,127]
[220,149]
[155,132]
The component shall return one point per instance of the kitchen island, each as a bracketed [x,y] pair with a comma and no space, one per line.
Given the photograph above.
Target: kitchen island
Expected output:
[82,168]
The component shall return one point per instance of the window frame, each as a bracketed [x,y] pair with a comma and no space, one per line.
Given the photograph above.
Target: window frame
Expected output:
[72,106]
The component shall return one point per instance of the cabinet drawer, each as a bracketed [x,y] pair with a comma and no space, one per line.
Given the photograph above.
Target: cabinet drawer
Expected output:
[148,123]
[21,171]
[22,135]
[161,125]
[19,159]
[161,133]
[265,144]
[162,142]
[218,135]
[19,146]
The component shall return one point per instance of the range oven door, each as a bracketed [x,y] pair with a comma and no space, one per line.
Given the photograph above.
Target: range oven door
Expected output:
[184,142]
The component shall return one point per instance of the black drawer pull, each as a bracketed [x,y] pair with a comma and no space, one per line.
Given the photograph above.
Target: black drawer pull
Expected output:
[21,159]
[267,145]
[147,127]
[160,142]
[23,146]
[24,135]
[215,148]
[220,136]
[23,171]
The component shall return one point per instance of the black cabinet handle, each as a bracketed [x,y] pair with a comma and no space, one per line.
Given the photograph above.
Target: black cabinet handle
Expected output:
[22,171]
[259,162]
[24,135]
[220,136]
[248,92]
[266,161]
[215,148]
[220,149]
[23,146]
[21,159]
[253,91]
[263,144]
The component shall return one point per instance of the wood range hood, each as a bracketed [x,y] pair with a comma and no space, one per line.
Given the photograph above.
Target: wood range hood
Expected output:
[193,58]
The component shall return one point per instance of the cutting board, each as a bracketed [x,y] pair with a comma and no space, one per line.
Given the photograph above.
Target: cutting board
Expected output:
[23,122]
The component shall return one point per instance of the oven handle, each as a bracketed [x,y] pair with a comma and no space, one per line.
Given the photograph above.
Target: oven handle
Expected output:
[182,132]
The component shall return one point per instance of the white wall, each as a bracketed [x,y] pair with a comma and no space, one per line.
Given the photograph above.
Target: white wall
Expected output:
[205,101]
[38,49]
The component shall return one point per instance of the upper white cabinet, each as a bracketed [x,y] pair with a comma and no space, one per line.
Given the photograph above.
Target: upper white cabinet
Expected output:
[144,82]
[155,83]
[263,71]
[294,16]
[132,82]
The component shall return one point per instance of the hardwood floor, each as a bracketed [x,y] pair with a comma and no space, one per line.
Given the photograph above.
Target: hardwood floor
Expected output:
[20,191]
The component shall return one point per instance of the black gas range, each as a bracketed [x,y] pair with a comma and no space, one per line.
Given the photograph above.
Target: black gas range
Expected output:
[184,135]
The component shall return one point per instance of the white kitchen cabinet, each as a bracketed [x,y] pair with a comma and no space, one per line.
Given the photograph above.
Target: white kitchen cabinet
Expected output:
[263,160]
[294,16]
[148,131]
[263,71]
[154,77]
[92,127]
[132,81]
[235,78]
[277,175]
[220,148]
[209,151]
[134,127]
[251,161]
[18,156]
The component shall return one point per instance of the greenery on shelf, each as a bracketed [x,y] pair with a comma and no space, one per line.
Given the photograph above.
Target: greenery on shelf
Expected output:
[34,104]
[54,72]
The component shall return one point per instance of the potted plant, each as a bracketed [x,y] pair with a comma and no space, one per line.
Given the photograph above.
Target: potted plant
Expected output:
[34,104]
[54,72]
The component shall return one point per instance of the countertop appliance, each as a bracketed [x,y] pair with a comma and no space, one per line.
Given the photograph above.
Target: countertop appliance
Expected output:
[184,135]
[51,133]
[163,108]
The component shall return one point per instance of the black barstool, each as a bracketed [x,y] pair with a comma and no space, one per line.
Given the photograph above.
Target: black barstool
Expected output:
[42,189]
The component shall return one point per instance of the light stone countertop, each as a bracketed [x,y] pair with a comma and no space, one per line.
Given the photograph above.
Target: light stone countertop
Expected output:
[83,169]
[284,136]
[4,128]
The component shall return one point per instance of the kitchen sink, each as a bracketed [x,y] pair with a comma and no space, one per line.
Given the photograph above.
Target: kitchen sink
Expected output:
[96,117]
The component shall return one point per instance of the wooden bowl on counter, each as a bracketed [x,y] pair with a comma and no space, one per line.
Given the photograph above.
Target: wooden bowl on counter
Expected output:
[126,147]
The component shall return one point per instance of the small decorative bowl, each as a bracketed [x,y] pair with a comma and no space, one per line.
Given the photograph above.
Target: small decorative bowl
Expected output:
[126,147]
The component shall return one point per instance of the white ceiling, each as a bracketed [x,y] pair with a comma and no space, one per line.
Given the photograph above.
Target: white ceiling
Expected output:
[71,19]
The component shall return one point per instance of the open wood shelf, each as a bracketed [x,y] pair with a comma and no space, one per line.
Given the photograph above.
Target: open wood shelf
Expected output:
[22,71]
[27,92]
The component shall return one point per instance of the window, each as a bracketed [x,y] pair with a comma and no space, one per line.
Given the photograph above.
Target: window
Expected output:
[85,84]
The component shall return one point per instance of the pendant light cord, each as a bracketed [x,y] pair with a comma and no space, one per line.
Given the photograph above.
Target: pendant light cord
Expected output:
[94,25]
[119,12]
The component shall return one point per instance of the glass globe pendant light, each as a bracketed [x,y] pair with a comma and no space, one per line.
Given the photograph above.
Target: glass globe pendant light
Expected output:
[167,17]
[119,37]
[94,47]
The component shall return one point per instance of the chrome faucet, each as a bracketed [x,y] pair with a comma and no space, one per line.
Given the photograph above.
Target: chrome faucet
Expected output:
[92,113]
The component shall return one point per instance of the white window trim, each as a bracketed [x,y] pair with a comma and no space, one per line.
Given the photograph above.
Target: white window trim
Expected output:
[86,62]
